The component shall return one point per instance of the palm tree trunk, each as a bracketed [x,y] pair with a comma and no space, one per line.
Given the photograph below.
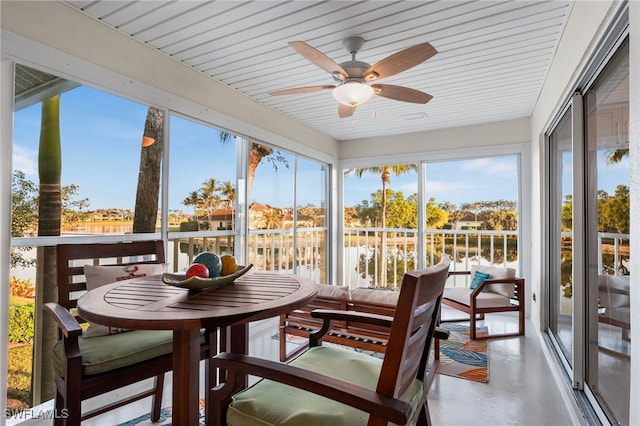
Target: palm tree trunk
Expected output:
[148,191]
[49,216]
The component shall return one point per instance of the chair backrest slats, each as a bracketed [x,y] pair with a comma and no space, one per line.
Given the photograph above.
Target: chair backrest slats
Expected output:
[413,327]
[71,259]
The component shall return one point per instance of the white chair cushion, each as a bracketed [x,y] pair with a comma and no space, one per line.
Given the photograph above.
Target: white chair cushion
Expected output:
[384,297]
[614,291]
[334,291]
[485,299]
[507,290]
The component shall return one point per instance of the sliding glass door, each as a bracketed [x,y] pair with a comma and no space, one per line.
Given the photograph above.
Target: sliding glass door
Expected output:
[561,236]
[589,256]
[607,195]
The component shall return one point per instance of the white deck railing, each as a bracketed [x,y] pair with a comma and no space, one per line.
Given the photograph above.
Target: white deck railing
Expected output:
[305,251]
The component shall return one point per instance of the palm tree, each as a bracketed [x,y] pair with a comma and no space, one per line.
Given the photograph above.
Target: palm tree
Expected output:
[49,218]
[385,177]
[210,198]
[256,153]
[148,190]
[194,200]
[614,156]
[270,218]
[228,192]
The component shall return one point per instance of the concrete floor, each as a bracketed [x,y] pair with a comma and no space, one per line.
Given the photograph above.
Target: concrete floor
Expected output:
[523,388]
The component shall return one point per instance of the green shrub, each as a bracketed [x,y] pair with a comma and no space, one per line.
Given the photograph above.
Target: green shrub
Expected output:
[191,225]
[21,322]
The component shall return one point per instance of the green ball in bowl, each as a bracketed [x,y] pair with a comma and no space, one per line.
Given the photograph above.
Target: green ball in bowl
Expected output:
[211,261]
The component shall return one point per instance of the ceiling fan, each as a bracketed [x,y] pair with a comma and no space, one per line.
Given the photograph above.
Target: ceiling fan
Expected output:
[352,77]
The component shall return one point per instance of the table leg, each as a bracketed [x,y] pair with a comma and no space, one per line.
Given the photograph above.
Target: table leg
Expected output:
[235,339]
[186,365]
[238,339]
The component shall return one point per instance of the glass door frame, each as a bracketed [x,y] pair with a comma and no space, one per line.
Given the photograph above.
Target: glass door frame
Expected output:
[574,368]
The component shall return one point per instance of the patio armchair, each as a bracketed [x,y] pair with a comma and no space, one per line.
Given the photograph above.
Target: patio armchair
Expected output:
[492,290]
[335,385]
[361,336]
[90,361]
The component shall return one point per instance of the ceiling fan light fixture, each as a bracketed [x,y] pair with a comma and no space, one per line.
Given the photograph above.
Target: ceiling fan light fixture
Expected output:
[353,94]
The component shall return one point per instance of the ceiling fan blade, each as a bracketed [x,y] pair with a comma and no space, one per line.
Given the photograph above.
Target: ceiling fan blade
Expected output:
[345,111]
[400,93]
[319,59]
[400,61]
[307,89]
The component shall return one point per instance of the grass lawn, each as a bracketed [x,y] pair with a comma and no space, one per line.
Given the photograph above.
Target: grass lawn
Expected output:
[19,376]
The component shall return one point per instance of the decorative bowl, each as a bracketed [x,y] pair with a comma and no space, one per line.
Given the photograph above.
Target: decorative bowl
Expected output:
[198,283]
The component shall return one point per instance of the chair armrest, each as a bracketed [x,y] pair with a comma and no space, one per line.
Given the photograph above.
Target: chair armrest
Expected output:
[515,281]
[329,315]
[353,316]
[441,333]
[459,273]
[66,322]
[390,409]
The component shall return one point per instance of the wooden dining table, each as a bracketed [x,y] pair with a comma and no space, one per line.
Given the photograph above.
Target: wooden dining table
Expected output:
[147,303]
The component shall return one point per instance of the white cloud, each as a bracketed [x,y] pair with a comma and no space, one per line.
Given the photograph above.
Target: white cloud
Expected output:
[492,166]
[408,188]
[444,187]
[25,160]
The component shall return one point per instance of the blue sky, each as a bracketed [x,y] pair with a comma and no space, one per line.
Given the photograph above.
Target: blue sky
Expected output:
[454,181]
[101,136]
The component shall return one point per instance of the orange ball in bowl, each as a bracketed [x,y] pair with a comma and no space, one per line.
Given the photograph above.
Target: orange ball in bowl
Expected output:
[229,264]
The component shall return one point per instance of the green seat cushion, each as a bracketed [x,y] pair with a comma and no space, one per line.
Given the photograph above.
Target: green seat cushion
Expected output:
[271,403]
[105,353]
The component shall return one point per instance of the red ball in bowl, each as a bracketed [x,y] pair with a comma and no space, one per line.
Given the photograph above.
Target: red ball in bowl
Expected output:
[197,270]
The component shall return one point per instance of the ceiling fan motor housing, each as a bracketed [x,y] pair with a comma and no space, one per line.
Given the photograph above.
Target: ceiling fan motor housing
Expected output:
[355,69]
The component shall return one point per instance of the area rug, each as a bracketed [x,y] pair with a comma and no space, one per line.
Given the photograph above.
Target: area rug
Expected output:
[462,357]
[165,418]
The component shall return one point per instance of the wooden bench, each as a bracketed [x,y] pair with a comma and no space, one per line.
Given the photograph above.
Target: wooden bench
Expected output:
[299,323]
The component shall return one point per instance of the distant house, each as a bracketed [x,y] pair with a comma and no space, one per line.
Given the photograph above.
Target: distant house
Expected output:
[468,220]
[223,218]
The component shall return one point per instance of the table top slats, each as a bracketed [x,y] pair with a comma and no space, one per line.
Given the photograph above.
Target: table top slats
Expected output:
[148,303]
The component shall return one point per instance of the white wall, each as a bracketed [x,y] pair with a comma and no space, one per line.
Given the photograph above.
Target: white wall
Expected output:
[634,146]
[469,137]
[585,25]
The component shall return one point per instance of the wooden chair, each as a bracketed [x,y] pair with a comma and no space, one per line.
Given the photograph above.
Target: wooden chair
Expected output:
[334,385]
[355,334]
[85,368]
[502,291]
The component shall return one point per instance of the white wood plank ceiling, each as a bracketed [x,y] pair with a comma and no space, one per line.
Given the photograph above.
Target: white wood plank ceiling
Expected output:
[493,55]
